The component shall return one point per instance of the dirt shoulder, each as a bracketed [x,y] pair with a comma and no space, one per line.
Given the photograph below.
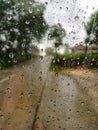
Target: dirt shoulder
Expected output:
[87,80]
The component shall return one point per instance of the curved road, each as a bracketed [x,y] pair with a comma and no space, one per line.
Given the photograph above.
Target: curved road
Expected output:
[33,98]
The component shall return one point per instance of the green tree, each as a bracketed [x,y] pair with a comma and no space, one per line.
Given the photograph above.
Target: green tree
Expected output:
[49,50]
[18,26]
[57,33]
[87,40]
[31,25]
[92,29]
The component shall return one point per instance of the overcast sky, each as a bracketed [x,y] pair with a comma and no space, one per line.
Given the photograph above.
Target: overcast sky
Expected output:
[72,14]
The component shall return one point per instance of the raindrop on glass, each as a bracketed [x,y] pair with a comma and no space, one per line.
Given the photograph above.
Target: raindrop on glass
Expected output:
[74,1]
[76,18]
[87,7]
[46,3]
[11,55]
[66,8]
[9,17]
[30,10]
[49,36]
[83,24]
[27,22]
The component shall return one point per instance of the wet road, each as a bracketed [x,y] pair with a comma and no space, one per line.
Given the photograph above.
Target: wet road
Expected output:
[33,98]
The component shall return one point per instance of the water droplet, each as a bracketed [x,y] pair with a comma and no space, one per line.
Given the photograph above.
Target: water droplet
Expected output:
[93,59]
[22,3]
[87,7]
[63,32]
[92,36]
[68,84]
[60,7]
[58,60]
[86,58]
[53,61]
[46,3]
[40,78]
[30,113]
[30,93]
[1,116]
[30,10]
[91,64]
[76,18]
[49,36]
[21,95]
[64,58]
[74,1]
[41,57]
[23,45]
[58,24]
[30,3]
[15,61]
[93,8]
[82,103]
[83,24]
[27,22]
[9,17]
[66,8]
[11,55]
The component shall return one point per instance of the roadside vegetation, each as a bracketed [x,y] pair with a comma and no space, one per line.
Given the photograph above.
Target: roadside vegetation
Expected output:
[75,60]
[88,56]
[21,24]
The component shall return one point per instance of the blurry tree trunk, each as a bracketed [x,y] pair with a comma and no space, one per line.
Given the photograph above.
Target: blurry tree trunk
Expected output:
[10,51]
[26,53]
[20,52]
[86,49]
[97,47]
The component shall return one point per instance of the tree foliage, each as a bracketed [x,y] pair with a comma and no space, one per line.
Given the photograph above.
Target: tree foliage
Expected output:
[18,26]
[49,51]
[57,32]
[92,29]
